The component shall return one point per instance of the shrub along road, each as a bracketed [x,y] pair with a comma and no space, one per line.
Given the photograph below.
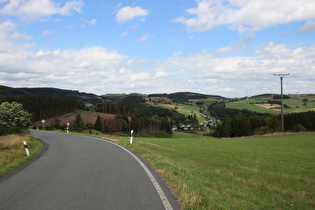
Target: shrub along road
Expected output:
[79,172]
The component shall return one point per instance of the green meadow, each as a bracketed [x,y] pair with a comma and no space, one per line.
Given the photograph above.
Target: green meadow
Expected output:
[186,109]
[293,105]
[256,173]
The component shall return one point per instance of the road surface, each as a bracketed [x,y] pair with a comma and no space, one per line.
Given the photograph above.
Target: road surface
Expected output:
[79,172]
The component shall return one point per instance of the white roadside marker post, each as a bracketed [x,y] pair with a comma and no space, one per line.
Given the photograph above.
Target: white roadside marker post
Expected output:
[26,148]
[131,136]
[68,124]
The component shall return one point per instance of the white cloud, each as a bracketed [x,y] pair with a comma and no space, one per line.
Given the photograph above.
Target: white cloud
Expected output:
[35,9]
[308,27]
[143,38]
[246,15]
[124,34]
[129,13]
[225,49]
[48,32]
[93,22]
[11,40]
[176,54]
[90,22]
[7,26]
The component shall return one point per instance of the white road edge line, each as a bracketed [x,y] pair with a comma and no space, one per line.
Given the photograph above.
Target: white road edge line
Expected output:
[158,188]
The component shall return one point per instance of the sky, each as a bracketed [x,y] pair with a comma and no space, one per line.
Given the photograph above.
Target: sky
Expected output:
[230,48]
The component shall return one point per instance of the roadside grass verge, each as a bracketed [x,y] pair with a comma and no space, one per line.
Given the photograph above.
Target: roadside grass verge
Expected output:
[258,173]
[12,152]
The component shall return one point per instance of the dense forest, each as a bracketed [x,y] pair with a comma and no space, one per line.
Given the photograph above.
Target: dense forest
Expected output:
[184,97]
[257,125]
[114,109]
[89,98]
[133,113]
[43,107]
[73,94]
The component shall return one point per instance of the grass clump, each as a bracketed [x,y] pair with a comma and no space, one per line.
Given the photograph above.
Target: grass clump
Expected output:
[12,151]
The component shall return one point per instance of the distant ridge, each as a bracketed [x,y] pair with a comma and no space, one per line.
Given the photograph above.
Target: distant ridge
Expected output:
[185,96]
[74,94]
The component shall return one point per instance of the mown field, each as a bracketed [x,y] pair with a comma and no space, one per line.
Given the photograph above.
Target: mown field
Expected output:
[293,104]
[12,152]
[262,173]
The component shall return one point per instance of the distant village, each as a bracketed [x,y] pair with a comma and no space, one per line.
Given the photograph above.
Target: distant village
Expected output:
[201,126]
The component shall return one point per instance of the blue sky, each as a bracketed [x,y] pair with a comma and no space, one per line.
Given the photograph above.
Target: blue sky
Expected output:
[229,48]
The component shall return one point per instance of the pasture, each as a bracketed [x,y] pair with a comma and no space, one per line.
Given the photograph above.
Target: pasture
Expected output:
[293,105]
[257,173]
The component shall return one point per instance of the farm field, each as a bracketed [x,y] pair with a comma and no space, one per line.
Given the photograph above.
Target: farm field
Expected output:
[294,105]
[260,173]
[252,107]
[186,109]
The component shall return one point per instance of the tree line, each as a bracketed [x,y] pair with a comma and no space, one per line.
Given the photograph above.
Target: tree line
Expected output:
[257,125]
[114,109]
[140,126]
[44,107]
[133,113]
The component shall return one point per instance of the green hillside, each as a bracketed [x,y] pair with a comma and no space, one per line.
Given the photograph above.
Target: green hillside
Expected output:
[267,105]
[86,97]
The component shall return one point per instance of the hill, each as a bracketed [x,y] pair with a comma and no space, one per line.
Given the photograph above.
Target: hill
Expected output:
[89,98]
[272,103]
[74,94]
[109,98]
[185,96]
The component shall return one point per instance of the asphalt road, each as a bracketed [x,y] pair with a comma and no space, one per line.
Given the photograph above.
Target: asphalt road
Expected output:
[78,172]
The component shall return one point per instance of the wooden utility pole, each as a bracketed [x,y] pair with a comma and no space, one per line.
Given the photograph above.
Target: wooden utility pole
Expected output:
[281,81]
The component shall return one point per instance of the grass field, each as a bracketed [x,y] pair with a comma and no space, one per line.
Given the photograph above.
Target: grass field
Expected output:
[293,104]
[262,173]
[185,109]
[12,152]
[245,105]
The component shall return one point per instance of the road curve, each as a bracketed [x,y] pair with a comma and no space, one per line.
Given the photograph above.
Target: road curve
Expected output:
[79,172]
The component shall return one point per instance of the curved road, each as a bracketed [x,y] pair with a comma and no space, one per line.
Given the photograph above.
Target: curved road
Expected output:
[79,172]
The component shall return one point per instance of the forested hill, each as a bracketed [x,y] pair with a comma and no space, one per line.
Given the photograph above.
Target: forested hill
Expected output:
[185,96]
[86,97]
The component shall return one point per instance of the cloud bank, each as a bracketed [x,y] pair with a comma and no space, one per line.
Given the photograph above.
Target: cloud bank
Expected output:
[100,70]
[36,9]
[245,15]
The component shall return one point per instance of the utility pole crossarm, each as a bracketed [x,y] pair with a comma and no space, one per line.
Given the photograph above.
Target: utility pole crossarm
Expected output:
[281,74]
